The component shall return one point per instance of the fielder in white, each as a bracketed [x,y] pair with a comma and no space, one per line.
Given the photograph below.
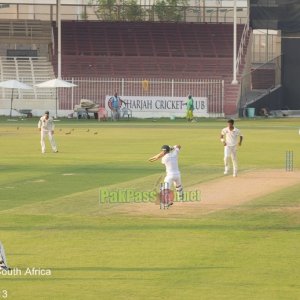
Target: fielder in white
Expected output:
[169,157]
[46,127]
[231,137]
[3,262]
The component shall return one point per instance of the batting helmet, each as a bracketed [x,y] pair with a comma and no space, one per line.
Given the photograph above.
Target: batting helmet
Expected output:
[166,148]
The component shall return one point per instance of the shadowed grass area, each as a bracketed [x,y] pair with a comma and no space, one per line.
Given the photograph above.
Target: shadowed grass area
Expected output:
[48,220]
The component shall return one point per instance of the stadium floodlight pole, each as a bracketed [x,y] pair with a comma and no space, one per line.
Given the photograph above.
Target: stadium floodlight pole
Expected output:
[234,80]
[58,11]
[58,19]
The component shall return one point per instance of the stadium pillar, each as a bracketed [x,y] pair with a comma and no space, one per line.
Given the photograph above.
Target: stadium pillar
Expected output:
[234,80]
[58,16]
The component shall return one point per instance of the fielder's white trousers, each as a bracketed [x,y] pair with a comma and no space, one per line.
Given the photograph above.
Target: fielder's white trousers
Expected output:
[230,151]
[2,254]
[51,139]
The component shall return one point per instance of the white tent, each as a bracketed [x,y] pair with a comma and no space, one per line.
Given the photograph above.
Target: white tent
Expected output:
[56,83]
[14,84]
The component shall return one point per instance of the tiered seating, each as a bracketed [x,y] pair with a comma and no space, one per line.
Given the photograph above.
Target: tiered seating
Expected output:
[150,50]
[30,71]
[22,36]
[24,29]
[116,49]
[164,67]
[147,39]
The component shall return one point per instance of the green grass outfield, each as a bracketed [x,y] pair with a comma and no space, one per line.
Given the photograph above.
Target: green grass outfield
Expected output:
[50,217]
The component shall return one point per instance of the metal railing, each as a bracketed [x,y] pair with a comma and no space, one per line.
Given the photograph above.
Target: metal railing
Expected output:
[96,89]
[243,43]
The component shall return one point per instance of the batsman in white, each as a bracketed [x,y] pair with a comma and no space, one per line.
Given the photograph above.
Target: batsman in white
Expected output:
[230,138]
[169,157]
[3,262]
[46,127]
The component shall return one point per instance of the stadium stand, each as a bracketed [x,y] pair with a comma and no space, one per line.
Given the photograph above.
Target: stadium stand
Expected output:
[24,56]
[118,50]
[151,50]
[28,70]
[88,38]
[25,31]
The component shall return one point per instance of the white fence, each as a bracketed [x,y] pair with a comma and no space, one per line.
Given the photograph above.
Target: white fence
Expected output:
[96,90]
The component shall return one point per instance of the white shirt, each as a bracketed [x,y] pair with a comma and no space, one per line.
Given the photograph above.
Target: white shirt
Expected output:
[231,136]
[170,160]
[46,124]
